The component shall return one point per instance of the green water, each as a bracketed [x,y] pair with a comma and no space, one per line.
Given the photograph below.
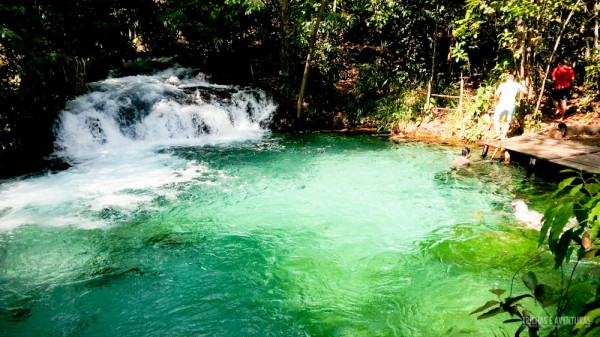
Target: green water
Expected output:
[290,235]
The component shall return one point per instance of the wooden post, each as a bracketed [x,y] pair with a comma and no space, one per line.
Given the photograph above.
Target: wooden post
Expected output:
[428,94]
[434,47]
[460,98]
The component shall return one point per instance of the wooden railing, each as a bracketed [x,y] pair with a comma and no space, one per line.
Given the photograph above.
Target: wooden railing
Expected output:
[460,97]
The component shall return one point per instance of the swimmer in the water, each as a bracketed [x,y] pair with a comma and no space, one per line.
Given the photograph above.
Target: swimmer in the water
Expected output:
[530,218]
[533,219]
[464,160]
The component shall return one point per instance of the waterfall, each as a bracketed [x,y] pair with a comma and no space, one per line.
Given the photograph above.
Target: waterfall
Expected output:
[165,109]
[121,140]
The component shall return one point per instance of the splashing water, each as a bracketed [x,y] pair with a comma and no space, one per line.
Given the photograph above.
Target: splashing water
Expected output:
[132,113]
[182,215]
[113,135]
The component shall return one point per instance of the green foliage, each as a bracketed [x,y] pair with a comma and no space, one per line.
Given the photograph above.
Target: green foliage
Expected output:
[519,35]
[402,111]
[513,305]
[370,54]
[516,26]
[388,46]
[516,306]
[251,6]
[570,228]
[575,196]
[475,116]
[592,73]
[571,225]
[212,26]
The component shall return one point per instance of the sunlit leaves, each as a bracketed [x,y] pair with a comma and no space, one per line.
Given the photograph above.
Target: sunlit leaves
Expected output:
[6,33]
[592,188]
[565,183]
[250,5]
[382,13]
[459,52]
[584,322]
[521,30]
[576,195]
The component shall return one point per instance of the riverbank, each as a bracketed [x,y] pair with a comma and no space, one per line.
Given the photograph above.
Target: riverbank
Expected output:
[583,127]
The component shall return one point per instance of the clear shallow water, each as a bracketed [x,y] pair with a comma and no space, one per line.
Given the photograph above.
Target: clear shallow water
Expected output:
[315,235]
[183,216]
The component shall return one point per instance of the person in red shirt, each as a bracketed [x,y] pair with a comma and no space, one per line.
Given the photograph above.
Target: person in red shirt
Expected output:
[563,76]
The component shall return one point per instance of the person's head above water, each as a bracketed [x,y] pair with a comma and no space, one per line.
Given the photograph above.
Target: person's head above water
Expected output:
[466,152]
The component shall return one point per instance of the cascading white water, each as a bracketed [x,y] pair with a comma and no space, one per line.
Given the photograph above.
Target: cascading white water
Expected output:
[113,137]
[151,233]
[169,108]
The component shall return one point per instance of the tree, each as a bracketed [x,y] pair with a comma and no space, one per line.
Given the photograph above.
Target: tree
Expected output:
[284,67]
[526,35]
[44,47]
[311,49]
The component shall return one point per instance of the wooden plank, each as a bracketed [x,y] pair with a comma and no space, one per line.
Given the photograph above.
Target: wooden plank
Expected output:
[446,109]
[544,147]
[445,96]
[471,98]
[562,152]
[586,162]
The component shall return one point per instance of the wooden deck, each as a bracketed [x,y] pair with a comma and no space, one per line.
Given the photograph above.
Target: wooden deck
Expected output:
[562,152]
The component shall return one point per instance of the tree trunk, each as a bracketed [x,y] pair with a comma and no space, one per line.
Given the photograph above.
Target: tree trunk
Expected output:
[434,50]
[311,50]
[284,67]
[449,56]
[525,46]
[596,47]
[551,59]
[596,27]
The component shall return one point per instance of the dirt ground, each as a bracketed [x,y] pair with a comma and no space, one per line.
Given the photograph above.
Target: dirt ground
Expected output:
[576,118]
[580,113]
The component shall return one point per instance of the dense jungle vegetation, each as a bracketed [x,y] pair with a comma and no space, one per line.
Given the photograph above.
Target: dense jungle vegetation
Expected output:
[329,64]
[369,61]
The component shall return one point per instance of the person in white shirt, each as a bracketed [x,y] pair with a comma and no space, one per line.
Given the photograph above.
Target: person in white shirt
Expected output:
[506,93]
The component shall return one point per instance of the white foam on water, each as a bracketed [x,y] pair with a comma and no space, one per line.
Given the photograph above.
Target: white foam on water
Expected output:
[117,140]
[75,197]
